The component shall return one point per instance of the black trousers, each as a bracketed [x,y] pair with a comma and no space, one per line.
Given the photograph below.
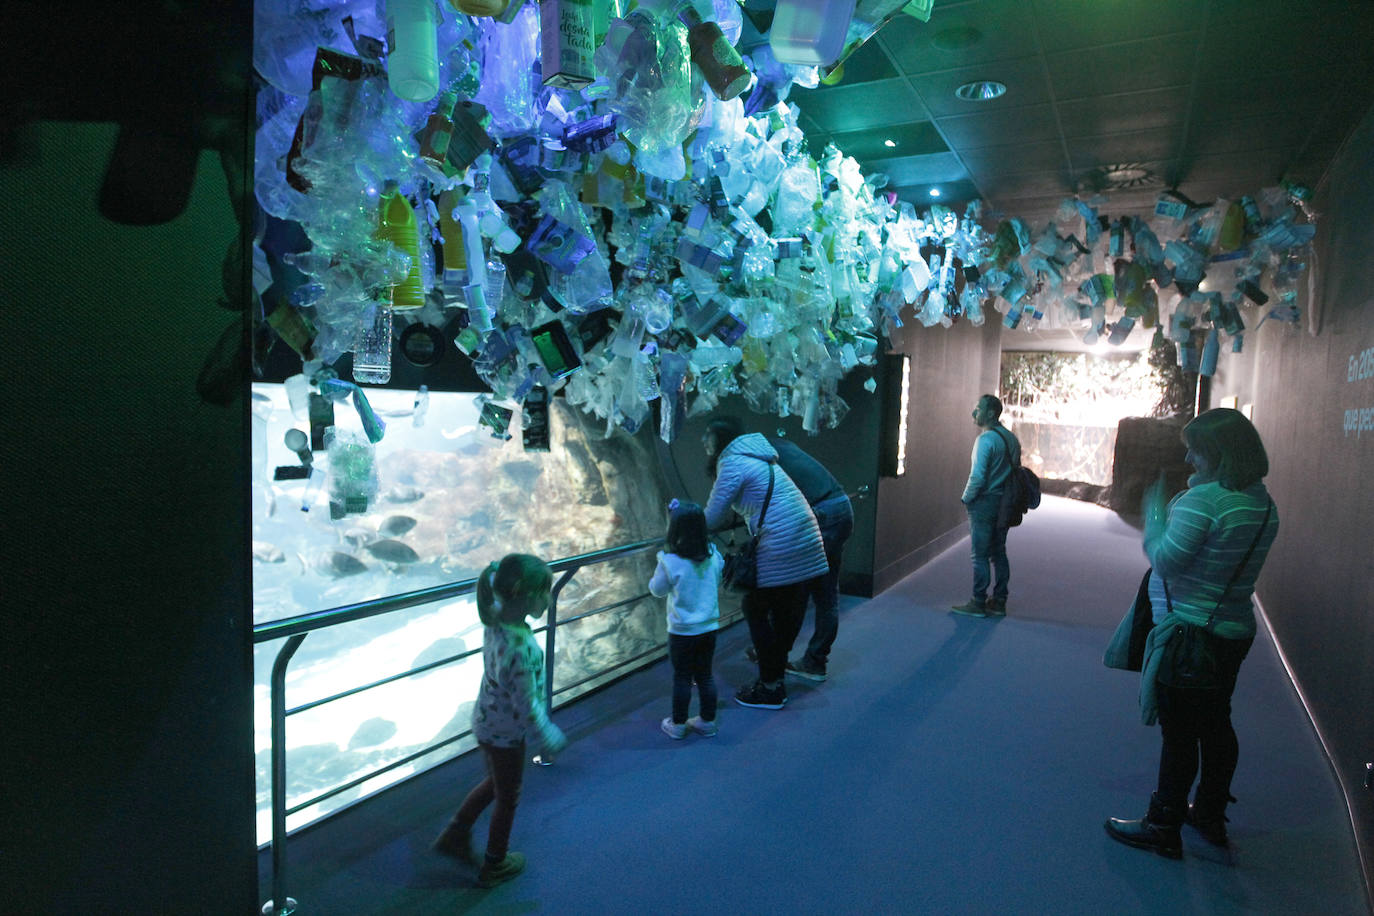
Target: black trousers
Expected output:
[691,657]
[1196,725]
[775,616]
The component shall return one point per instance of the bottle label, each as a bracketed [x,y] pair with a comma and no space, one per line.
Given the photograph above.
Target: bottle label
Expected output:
[567,49]
[1173,209]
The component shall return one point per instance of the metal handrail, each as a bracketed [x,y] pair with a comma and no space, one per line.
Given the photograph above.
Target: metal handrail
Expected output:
[295,629]
[348,613]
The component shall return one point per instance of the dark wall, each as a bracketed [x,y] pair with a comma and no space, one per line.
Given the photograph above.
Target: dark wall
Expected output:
[127,664]
[1317,587]
[849,452]
[919,515]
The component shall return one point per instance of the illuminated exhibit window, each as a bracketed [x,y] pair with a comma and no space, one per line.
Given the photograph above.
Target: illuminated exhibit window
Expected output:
[430,504]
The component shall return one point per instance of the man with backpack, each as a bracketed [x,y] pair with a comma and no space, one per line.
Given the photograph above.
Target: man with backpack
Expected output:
[996,455]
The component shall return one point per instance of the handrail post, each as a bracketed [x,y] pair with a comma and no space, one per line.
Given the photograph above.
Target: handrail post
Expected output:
[549,635]
[287,905]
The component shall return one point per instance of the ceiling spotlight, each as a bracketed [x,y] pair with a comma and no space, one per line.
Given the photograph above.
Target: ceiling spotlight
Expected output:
[981,91]
[934,192]
[889,143]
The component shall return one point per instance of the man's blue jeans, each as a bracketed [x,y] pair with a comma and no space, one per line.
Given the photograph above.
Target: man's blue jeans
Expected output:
[989,545]
[825,592]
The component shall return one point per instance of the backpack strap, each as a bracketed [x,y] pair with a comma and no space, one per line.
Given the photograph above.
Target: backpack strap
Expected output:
[1007,443]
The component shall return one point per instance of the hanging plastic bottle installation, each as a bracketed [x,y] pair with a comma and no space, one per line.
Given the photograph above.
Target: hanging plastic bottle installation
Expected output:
[769,267]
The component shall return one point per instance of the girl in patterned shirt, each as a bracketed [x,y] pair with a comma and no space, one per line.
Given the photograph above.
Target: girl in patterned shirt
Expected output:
[510,706]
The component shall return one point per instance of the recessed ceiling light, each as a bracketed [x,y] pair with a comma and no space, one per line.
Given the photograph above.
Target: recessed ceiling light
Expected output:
[981,90]
[934,192]
[889,143]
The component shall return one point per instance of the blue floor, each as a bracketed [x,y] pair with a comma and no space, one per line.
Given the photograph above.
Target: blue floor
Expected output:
[949,765]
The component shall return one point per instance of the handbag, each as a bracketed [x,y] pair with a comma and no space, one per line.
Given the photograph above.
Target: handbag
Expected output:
[1126,651]
[1190,658]
[741,571]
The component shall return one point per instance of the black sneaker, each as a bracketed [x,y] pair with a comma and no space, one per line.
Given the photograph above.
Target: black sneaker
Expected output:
[972,608]
[758,696]
[807,669]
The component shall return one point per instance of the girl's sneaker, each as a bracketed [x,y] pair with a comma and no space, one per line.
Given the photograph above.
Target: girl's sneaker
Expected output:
[456,842]
[702,727]
[494,873]
[673,730]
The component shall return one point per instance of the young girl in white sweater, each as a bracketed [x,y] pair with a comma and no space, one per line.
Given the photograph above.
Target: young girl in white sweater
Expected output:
[688,573]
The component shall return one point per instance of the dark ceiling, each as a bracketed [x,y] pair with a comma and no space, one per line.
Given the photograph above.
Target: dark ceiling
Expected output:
[1214,98]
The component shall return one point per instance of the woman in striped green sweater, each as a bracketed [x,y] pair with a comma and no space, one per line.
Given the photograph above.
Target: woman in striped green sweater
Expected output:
[1206,549]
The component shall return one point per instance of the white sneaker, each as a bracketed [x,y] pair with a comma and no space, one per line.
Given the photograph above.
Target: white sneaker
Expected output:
[702,727]
[673,730]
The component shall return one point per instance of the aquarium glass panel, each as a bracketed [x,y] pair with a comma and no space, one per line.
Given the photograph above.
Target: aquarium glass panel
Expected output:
[436,500]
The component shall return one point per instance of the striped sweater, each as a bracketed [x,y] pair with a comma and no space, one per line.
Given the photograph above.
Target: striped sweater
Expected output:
[1207,533]
[790,548]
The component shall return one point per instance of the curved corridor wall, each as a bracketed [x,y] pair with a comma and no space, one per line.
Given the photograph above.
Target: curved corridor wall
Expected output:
[1313,394]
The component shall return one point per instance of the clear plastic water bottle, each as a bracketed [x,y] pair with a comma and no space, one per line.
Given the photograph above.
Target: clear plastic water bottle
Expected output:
[495,287]
[372,347]
[629,335]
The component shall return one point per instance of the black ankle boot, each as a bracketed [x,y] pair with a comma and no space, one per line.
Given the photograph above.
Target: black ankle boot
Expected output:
[1209,819]
[1157,830]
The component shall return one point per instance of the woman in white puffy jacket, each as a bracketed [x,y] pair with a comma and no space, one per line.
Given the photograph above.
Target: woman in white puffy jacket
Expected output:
[790,553]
